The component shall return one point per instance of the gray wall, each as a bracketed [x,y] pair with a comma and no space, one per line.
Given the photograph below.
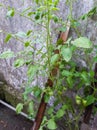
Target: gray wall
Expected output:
[15,77]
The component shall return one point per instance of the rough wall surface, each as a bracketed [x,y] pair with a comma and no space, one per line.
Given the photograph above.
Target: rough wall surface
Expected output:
[16,77]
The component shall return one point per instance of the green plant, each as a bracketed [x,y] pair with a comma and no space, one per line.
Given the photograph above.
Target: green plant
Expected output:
[71,81]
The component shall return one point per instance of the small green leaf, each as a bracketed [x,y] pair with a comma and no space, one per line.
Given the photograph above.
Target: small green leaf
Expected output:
[29,32]
[31,108]
[10,13]
[51,124]
[90,99]
[27,44]
[21,34]
[63,29]
[6,54]
[55,18]
[32,70]
[37,92]
[50,110]
[66,53]
[54,58]
[19,63]
[66,73]
[82,42]
[8,37]
[47,97]
[19,108]
[60,113]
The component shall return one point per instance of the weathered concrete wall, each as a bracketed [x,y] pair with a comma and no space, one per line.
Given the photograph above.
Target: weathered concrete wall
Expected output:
[16,77]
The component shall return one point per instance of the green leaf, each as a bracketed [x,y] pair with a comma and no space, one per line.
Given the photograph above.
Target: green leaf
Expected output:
[19,63]
[6,54]
[51,124]
[21,34]
[60,113]
[27,44]
[8,37]
[66,53]
[66,73]
[46,98]
[31,108]
[10,13]
[90,99]
[32,70]
[29,32]
[37,92]
[50,110]
[63,29]
[19,108]
[82,42]
[54,58]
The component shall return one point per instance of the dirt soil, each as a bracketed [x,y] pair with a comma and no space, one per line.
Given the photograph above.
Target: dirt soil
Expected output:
[9,120]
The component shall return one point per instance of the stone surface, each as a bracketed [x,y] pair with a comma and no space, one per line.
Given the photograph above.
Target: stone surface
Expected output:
[16,77]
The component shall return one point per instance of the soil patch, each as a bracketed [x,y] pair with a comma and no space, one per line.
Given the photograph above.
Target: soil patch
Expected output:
[9,120]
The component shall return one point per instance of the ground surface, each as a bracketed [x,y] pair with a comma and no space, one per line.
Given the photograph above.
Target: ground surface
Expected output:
[9,120]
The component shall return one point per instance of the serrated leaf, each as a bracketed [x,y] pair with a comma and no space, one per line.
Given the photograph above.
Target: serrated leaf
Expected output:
[6,54]
[21,34]
[19,108]
[51,124]
[82,42]
[8,37]
[19,63]
[60,113]
[66,53]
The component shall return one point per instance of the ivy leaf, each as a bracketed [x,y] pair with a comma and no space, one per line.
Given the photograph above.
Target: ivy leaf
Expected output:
[19,63]
[66,53]
[19,108]
[10,13]
[8,37]
[82,42]
[6,54]
[51,124]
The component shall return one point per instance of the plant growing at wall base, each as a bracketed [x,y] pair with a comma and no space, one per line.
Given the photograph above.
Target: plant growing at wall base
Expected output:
[68,84]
